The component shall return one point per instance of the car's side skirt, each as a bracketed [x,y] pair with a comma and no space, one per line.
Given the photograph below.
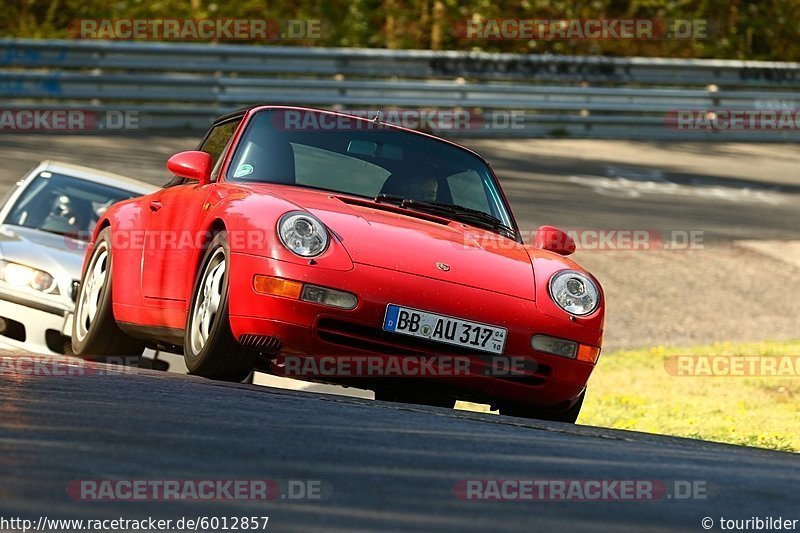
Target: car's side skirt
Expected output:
[168,339]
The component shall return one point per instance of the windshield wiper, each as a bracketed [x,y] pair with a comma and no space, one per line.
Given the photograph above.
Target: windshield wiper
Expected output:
[389,199]
[458,212]
[466,214]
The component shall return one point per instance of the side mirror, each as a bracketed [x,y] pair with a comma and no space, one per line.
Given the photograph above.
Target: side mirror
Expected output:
[554,240]
[193,165]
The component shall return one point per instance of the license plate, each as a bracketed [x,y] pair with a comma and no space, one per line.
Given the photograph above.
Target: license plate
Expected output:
[445,329]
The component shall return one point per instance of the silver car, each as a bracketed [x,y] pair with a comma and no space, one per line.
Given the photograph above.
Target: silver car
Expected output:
[45,223]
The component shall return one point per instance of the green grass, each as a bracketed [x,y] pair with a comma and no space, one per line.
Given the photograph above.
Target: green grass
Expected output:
[633,390]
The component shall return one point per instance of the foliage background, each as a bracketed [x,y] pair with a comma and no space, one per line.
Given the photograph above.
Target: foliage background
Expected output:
[742,29]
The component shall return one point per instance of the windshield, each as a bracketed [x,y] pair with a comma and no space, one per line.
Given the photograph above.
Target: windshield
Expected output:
[63,205]
[363,158]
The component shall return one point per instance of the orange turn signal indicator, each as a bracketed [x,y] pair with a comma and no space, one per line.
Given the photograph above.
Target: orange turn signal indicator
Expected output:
[587,353]
[277,286]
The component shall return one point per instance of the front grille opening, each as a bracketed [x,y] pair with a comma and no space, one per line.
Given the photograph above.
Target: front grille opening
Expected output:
[373,340]
[12,329]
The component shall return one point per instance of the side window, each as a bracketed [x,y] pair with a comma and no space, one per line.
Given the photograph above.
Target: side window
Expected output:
[217,141]
[214,144]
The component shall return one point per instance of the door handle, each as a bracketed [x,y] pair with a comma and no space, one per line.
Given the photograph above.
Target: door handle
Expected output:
[155,205]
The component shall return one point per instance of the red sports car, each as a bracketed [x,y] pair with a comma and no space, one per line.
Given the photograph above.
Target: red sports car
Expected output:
[333,248]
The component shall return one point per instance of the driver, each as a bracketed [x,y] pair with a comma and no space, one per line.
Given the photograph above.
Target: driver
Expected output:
[63,210]
[63,216]
[424,187]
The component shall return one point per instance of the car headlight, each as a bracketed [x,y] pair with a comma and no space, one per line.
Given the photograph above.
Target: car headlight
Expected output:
[574,292]
[303,234]
[21,276]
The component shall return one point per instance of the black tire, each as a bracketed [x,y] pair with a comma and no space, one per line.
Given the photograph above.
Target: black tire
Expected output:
[219,356]
[415,398]
[526,411]
[98,337]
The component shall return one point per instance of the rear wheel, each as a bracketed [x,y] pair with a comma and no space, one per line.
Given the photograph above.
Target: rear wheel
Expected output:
[209,347]
[95,334]
[526,411]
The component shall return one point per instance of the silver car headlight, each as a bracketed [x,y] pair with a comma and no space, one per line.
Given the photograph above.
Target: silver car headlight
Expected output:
[303,234]
[574,292]
[24,277]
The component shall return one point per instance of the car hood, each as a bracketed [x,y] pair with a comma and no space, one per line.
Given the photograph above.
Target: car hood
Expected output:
[384,236]
[61,256]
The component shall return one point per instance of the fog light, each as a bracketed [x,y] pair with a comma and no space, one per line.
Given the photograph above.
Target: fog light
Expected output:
[331,297]
[555,346]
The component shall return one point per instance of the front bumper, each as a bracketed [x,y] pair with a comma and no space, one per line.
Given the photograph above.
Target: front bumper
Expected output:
[311,329]
[43,325]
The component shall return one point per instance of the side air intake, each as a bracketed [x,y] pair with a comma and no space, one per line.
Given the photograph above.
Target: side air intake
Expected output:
[260,343]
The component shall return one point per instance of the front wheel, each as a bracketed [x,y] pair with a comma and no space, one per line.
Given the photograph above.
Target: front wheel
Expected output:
[95,334]
[209,347]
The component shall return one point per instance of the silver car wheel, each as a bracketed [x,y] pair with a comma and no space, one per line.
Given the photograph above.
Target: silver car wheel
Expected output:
[207,302]
[92,290]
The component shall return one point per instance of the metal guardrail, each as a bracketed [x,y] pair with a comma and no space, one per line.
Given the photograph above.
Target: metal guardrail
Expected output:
[180,85]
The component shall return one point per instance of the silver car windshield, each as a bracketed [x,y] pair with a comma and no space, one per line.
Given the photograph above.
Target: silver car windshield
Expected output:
[63,204]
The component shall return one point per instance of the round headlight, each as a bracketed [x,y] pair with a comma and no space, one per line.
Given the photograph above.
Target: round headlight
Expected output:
[303,234]
[574,292]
